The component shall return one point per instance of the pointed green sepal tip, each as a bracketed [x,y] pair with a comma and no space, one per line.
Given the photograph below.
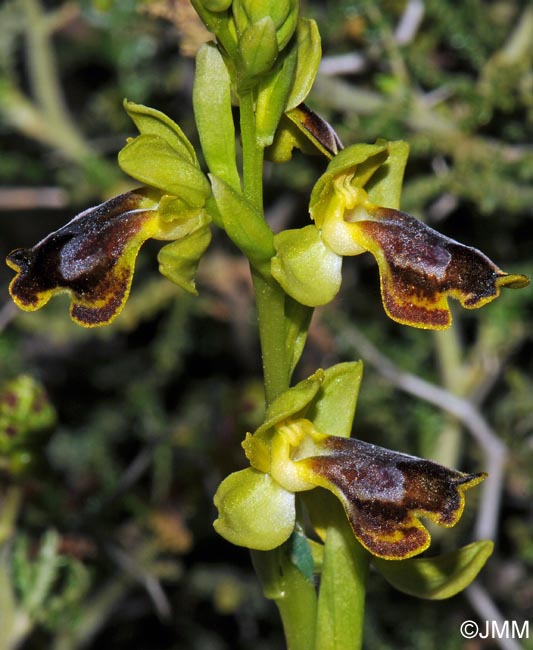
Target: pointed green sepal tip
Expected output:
[439,577]
[254,510]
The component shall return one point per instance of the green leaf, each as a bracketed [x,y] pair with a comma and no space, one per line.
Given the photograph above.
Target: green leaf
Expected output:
[305,267]
[309,55]
[258,48]
[178,261]
[213,114]
[244,225]
[151,160]
[149,121]
[436,578]
[333,410]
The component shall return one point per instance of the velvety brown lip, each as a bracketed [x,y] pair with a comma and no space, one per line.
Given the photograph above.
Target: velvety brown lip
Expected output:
[91,257]
[384,492]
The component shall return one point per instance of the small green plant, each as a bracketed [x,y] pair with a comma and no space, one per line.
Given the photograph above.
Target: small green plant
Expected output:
[315,506]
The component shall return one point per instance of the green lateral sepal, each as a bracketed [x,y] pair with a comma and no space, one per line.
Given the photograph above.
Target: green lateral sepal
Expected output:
[153,161]
[150,121]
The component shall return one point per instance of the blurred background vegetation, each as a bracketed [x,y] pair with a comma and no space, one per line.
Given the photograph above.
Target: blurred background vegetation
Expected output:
[113,441]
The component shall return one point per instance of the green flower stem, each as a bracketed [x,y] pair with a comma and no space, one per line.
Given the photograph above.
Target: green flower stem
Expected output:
[455,378]
[270,297]
[252,153]
[270,304]
[337,620]
[293,594]
[282,582]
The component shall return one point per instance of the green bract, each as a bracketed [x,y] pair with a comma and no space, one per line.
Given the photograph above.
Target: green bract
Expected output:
[213,114]
[290,82]
[309,54]
[243,223]
[272,96]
